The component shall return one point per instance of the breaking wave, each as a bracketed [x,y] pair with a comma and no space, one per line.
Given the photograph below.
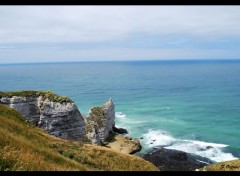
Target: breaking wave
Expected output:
[120,115]
[213,151]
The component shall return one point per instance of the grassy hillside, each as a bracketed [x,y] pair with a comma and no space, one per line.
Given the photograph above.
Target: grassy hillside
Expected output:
[233,165]
[25,147]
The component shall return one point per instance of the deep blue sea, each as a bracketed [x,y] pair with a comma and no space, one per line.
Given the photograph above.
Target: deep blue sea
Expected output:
[192,106]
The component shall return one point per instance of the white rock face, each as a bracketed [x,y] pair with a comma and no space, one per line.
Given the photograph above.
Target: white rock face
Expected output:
[92,132]
[100,122]
[27,106]
[109,113]
[59,119]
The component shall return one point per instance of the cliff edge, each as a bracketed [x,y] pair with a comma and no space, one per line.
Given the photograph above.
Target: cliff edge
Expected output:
[57,115]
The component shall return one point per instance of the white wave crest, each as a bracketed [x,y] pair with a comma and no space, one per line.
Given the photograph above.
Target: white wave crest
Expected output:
[158,138]
[166,108]
[212,151]
[120,115]
[207,143]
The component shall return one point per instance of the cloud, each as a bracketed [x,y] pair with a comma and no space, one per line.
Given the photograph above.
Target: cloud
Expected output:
[94,33]
[6,47]
[101,23]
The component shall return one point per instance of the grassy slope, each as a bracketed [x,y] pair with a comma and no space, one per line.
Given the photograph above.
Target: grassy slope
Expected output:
[233,165]
[25,147]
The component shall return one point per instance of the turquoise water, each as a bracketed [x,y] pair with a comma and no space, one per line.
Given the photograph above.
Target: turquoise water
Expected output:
[193,106]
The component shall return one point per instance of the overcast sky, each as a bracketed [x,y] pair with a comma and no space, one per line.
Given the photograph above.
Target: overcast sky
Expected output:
[111,33]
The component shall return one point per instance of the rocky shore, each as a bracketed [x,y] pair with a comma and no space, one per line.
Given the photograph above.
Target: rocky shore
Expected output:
[124,144]
[101,130]
[173,160]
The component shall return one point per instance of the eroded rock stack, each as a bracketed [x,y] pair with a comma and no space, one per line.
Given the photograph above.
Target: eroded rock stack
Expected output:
[100,122]
[101,130]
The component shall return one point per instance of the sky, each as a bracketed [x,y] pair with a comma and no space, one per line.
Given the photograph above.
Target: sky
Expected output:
[117,33]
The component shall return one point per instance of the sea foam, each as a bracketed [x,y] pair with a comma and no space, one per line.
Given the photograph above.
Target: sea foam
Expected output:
[213,151]
[158,138]
[123,117]
[120,115]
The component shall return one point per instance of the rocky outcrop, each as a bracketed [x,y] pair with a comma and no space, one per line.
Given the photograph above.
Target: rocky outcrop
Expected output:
[173,160]
[101,130]
[108,110]
[27,106]
[120,130]
[100,122]
[61,119]
[124,144]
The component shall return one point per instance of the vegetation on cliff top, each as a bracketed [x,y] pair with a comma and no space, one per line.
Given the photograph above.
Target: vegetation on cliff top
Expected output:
[97,116]
[36,93]
[233,165]
[25,147]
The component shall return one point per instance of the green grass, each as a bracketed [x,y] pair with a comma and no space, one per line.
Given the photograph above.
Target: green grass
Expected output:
[24,147]
[36,93]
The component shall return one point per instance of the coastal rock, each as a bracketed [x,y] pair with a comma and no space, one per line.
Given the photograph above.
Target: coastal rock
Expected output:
[120,130]
[61,119]
[108,110]
[27,106]
[173,160]
[124,144]
[100,122]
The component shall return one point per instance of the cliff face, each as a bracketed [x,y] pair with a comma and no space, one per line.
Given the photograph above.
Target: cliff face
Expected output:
[108,110]
[61,119]
[100,122]
[48,153]
[27,106]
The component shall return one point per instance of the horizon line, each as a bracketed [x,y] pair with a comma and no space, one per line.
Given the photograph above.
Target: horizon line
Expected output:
[105,61]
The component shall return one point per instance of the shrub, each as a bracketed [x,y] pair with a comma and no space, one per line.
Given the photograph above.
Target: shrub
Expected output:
[36,93]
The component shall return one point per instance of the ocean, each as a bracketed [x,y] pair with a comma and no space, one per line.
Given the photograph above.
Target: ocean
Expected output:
[192,106]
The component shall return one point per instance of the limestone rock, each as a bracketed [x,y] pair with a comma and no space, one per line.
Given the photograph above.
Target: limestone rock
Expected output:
[27,106]
[61,119]
[100,122]
[108,110]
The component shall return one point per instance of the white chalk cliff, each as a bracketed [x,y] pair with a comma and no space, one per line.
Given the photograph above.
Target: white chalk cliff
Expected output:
[100,122]
[61,119]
